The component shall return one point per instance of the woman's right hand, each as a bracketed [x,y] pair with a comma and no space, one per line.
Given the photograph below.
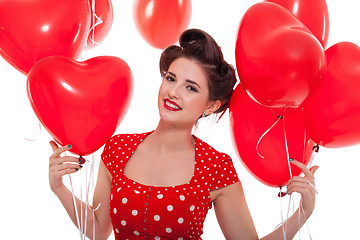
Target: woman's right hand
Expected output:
[60,166]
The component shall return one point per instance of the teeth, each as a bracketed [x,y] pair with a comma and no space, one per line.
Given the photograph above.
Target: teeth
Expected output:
[171,105]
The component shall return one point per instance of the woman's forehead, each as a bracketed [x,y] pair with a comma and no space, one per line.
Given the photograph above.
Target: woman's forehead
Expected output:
[189,69]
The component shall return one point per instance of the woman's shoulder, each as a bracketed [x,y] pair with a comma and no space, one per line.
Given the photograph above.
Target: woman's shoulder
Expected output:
[208,150]
[124,138]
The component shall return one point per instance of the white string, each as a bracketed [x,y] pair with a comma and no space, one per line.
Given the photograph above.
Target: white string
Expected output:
[98,22]
[93,186]
[288,162]
[307,225]
[74,201]
[262,136]
[287,149]
[87,199]
[282,218]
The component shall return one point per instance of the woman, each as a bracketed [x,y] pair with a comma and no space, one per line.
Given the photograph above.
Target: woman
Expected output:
[160,185]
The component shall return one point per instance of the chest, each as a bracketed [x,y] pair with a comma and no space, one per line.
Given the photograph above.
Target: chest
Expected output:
[155,169]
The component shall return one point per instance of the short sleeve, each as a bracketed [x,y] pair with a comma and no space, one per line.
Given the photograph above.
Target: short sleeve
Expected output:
[224,173]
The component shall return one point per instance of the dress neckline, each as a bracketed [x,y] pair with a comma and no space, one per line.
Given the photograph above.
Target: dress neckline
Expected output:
[140,139]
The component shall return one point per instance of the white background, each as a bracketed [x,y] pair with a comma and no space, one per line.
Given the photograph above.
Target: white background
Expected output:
[28,208]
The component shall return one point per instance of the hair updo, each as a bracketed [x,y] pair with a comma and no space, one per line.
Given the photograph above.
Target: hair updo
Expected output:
[199,46]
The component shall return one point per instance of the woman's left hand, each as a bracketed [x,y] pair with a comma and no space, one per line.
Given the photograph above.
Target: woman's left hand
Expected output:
[305,186]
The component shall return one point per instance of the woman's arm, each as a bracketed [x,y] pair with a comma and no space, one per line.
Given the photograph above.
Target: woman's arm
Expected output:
[60,166]
[234,217]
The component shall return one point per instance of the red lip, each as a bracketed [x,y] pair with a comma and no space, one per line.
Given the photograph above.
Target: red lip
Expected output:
[173,103]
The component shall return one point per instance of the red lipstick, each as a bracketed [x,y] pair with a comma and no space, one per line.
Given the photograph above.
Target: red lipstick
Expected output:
[170,105]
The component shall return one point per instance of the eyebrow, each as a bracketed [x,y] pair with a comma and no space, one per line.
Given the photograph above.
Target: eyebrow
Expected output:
[187,80]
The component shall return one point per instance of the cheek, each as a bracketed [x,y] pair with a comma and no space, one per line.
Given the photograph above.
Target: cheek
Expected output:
[198,103]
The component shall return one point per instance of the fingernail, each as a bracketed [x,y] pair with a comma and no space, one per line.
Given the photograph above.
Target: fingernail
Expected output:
[81,160]
[80,166]
[291,159]
[76,169]
[69,146]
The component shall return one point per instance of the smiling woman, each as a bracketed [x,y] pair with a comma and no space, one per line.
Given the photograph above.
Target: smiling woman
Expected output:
[161,184]
[30,210]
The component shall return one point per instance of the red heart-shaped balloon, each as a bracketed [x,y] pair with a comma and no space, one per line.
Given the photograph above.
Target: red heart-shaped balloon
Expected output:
[33,30]
[80,103]
[278,59]
[333,110]
[313,13]
[261,147]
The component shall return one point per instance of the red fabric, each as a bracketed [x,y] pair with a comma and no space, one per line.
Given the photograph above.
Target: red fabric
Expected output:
[176,212]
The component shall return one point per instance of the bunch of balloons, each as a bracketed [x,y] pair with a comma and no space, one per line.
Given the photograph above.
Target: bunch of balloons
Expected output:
[293,95]
[79,103]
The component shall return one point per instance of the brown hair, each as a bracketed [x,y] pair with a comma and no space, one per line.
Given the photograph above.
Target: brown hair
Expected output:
[199,46]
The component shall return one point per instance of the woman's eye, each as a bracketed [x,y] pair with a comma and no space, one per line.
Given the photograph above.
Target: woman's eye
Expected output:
[169,78]
[191,88]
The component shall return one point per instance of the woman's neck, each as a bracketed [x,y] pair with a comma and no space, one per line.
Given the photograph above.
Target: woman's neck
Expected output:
[168,138]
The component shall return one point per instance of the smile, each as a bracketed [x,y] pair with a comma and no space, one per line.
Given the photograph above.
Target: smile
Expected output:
[172,106]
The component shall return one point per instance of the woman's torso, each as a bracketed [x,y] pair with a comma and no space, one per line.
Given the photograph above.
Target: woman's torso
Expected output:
[140,211]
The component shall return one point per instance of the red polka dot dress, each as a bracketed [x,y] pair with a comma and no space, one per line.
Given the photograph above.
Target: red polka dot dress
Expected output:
[176,212]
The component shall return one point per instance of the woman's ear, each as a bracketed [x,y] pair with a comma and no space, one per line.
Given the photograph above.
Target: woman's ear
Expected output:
[213,106]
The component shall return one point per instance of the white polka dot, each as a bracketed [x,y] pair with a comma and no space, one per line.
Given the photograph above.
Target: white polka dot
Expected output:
[182,197]
[136,191]
[136,233]
[160,196]
[124,200]
[134,212]
[180,220]
[115,210]
[170,208]
[116,230]
[156,217]
[180,238]
[123,222]
[168,230]
[192,208]
[157,238]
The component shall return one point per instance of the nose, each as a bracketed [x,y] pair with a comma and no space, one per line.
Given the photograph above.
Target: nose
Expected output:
[174,92]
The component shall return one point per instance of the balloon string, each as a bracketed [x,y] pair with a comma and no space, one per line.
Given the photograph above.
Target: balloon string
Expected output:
[38,137]
[94,24]
[87,199]
[93,185]
[307,225]
[89,181]
[74,202]
[287,149]
[315,150]
[81,209]
[262,136]
[282,217]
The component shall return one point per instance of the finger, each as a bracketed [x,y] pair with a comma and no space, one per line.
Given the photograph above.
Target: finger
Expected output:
[303,167]
[59,168]
[59,150]
[296,178]
[68,166]
[313,169]
[67,170]
[55,161]
[300,187]
[53,145]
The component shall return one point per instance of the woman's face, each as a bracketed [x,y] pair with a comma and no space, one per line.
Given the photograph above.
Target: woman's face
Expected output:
[184,93]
